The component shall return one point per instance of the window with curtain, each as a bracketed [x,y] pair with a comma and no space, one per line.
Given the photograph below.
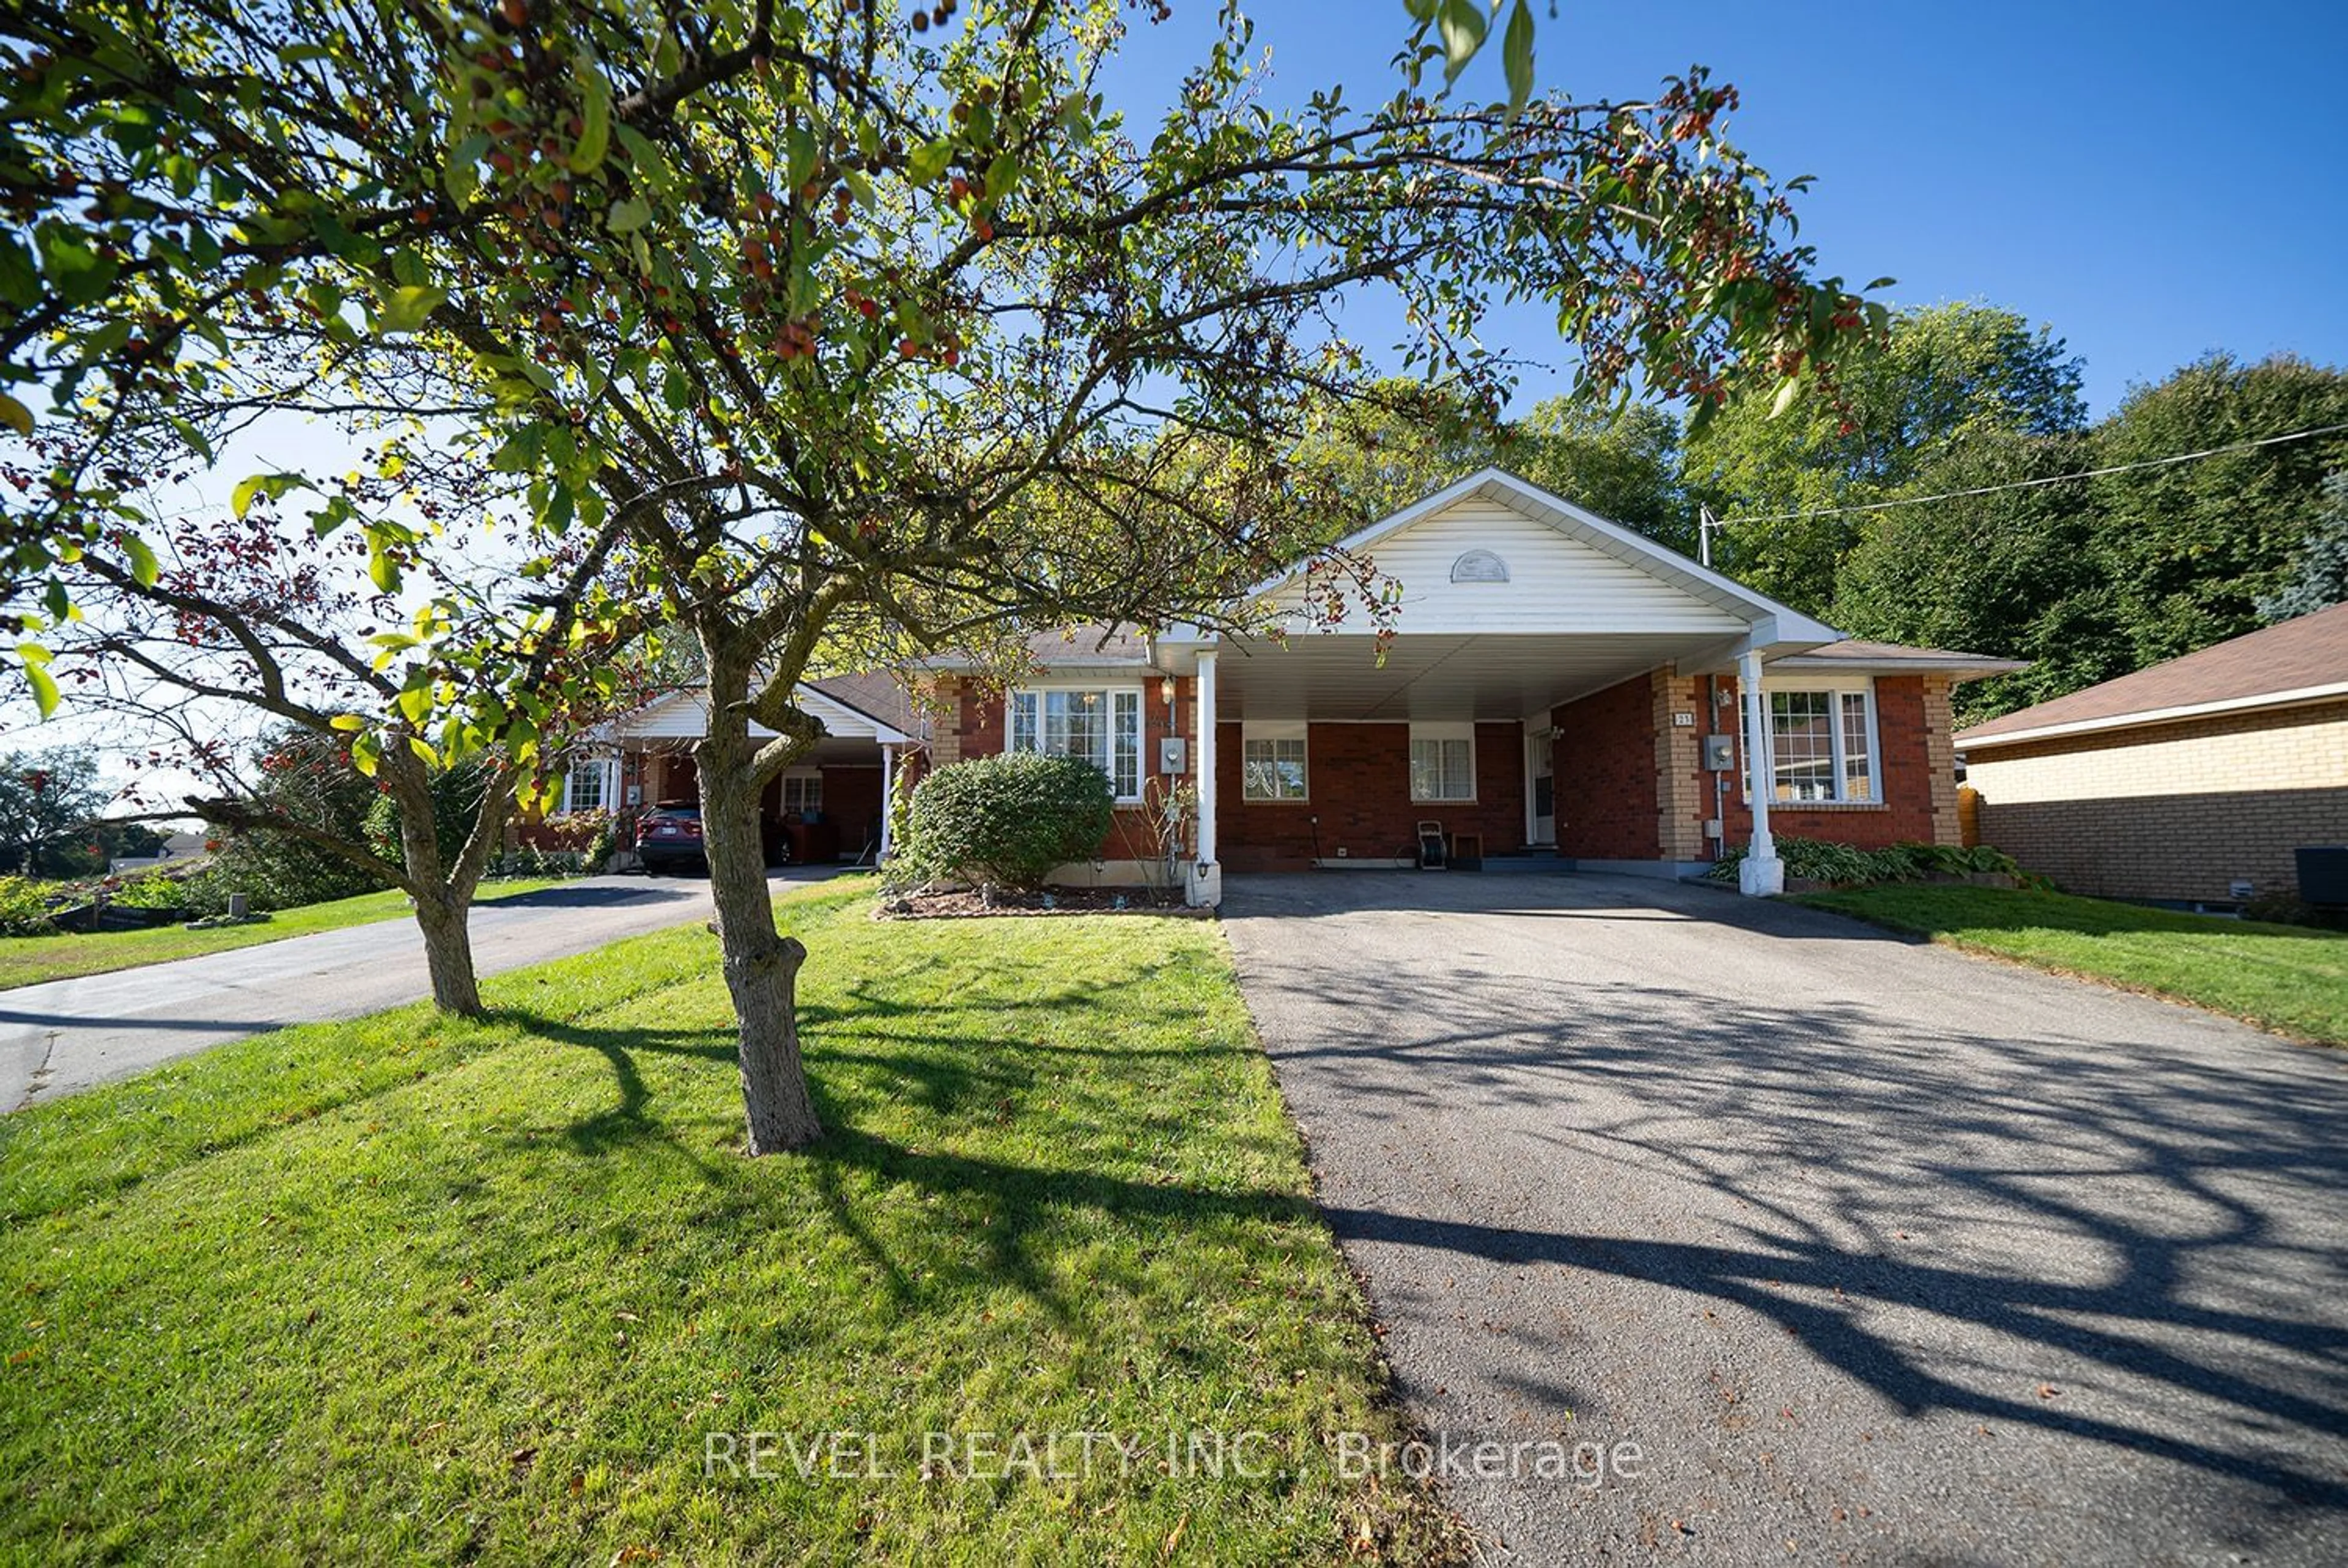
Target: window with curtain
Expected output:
[1271,759]
[1822,746]
[1442,762]
[802,793]
[1102,725]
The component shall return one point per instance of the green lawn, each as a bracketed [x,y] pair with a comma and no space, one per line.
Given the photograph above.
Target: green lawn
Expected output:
[412,1289]
[29,960]
[2285,978]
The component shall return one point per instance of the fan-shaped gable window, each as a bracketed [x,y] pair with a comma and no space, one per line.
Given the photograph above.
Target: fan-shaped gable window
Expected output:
[1479,566]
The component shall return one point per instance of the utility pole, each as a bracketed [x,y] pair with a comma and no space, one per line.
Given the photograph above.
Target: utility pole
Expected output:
[1705,524]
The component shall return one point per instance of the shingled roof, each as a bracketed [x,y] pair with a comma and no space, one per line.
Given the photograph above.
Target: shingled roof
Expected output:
[2298,660]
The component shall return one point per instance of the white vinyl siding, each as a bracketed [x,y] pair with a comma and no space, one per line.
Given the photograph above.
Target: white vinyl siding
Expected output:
[1822,746]
[1273,765]
[1100,724]
[1443,762]
[1556,583]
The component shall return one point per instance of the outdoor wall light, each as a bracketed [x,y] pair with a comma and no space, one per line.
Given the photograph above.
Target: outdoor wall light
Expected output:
[1166,689]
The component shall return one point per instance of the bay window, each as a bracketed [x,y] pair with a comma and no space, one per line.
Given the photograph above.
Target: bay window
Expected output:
[1822,746]
[1443,762]
[1102,725]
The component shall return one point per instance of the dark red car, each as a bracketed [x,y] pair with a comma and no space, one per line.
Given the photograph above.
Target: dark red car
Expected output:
[669,835]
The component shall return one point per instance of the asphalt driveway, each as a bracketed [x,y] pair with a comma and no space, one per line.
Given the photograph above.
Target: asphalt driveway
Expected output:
[66,1035]
[1876,1252]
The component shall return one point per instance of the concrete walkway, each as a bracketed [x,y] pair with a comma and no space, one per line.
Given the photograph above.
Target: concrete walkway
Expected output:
[66,1035]
[1876,1252]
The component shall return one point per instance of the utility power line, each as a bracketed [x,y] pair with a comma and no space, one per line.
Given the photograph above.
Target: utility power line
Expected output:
[1710,523]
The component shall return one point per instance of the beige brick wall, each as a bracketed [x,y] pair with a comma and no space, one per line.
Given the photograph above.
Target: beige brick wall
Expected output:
[2175,810]
[1678,766]
[1940,760]
[945,723]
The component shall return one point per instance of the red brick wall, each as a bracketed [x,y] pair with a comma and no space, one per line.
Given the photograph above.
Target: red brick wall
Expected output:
[1358,777]
[851,798]
[981,729]
[1606,774]
[1906,780]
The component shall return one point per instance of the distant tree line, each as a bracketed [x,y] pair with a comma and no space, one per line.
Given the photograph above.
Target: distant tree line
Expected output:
[2087,579]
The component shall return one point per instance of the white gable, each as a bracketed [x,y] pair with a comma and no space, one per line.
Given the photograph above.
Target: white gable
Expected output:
[685,716]
[1546,581]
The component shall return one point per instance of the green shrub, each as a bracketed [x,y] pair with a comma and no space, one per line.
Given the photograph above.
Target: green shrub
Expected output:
[1006,819]
[153,891]
[1847,865]
[24,908]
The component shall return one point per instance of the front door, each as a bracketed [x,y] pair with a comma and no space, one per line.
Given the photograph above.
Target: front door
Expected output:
[1541,787]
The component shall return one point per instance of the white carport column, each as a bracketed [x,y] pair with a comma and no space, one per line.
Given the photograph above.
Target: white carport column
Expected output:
[888,793]
[1203,886]
[1761,874]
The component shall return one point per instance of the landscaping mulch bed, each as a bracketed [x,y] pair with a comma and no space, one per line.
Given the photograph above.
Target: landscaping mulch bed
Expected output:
[970,904]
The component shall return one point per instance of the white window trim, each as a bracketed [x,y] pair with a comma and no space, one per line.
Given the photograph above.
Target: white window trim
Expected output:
[605,770]
[783,793]
[1836,685]
[1461,731]
[1276,730]
[1111,690]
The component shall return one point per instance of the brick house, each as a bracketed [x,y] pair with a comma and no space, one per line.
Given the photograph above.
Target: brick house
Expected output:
[2192,781]
[829,806]
[1557,685]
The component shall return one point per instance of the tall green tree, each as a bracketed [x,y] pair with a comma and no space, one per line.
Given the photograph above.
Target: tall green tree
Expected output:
[2319,571]
[843,327]
[1949,374]
[2012,573]
[1623,462]
[2190,547]
[48,800]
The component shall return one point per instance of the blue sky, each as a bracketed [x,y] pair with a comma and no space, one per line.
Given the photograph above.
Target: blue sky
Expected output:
[2154,181]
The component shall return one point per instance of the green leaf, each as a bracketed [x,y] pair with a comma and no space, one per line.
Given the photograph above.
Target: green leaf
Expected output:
[366,751]
[405,308]
[799,157]
[628,216]
[462,176]
[144,568]
[15,415]
[272,485]
[520,452]
[596,117]
[1517,55]
[384,572]
[930,160]
[44,688]
[20,281]
[1787,391]
[1462,24]
[349,723]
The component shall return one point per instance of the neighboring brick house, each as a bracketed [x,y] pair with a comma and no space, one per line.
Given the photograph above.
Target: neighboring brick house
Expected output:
[834,798]
[2192,781]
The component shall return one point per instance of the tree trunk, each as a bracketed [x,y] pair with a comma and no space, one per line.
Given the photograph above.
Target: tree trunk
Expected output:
[761,969]
[443,911]
[445,922]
